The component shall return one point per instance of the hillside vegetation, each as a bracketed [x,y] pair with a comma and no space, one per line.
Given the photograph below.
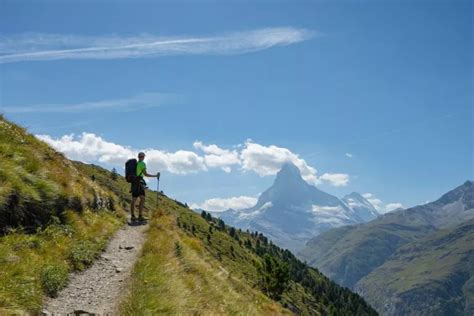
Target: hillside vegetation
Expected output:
[202,266]
[58,215]
[439,267]
[53,219]
[409,261]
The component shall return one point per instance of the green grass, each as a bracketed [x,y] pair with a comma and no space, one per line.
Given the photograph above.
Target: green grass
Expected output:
[37,182]
[53,219]
[34,265]
[54,277]
[176,275]
[192,265]
[438,263]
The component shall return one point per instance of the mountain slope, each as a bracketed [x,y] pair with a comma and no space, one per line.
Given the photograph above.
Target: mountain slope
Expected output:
[347,254]
[430,276]
[291,211]
[189,264]
[350,254]
[54,219]
[208,267]
[364,210]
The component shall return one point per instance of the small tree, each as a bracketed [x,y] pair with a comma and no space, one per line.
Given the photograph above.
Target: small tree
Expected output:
[114,174]
[208,217]
[232,232]
[203,214]
[220,224]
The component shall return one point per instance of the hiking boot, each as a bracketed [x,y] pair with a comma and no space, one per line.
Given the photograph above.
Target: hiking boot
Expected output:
[133,218]
[141,218]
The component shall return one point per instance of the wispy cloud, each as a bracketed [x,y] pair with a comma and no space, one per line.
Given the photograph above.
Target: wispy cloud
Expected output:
[42,47]
[140,101]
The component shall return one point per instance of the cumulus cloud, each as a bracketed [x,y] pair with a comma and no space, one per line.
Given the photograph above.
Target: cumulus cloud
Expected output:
[335,179]
[216,157]
[268,160]
[43,47]
[222,204]
[89,147]
[379,205]
[251,157]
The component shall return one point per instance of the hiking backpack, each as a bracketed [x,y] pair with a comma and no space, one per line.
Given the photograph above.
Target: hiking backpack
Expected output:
[131,170]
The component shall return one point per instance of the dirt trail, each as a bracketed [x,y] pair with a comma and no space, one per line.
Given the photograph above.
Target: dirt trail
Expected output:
[98,290]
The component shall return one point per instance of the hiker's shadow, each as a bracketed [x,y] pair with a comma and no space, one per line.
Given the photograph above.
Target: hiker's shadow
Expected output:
[137,223]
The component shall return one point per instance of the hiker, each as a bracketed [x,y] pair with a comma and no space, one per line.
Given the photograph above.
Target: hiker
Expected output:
[138,187]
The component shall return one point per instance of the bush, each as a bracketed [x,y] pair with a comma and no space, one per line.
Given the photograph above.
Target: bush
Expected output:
[83,254]
[54,278]
[178,249]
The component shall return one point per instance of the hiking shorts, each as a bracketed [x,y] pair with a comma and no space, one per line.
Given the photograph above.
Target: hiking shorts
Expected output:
[138,188]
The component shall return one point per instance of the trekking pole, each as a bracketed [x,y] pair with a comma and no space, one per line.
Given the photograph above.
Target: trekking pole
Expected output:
[157,190]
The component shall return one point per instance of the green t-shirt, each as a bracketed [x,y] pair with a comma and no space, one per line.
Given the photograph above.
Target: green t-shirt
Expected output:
[141,166]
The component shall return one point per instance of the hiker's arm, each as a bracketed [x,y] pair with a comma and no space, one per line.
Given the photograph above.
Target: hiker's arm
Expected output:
[150,175]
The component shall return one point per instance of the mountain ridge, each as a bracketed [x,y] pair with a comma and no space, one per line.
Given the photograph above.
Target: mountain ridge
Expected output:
[291,211]
[355,256]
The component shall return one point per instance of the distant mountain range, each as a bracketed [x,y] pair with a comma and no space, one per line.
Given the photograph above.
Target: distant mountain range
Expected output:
[418,261]
[291,211]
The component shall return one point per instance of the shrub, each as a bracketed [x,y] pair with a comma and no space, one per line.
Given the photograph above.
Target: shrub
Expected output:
[178,249]
[83,254]
[54,277]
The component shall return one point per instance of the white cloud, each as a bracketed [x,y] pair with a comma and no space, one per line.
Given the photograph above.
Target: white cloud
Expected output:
[268,160]
[216,157]
[335,179]
[349,155]
[89,147]
[393,206]
[379,205]
[140,101]
[263,160]
[222,204]
[41,47]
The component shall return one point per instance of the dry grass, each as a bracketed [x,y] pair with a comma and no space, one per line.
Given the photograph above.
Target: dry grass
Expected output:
[188,281]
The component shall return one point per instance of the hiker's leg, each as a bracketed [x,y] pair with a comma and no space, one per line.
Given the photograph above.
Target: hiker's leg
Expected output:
[132,206]
[140,207]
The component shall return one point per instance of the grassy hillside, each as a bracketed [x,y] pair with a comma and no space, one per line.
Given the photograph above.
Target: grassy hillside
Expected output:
[406,262]
[347,254]
[58,215]
[53,219]
[200,265]
[37,183]
[431,276]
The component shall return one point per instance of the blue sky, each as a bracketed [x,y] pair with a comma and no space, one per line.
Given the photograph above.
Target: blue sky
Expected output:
[388,82]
